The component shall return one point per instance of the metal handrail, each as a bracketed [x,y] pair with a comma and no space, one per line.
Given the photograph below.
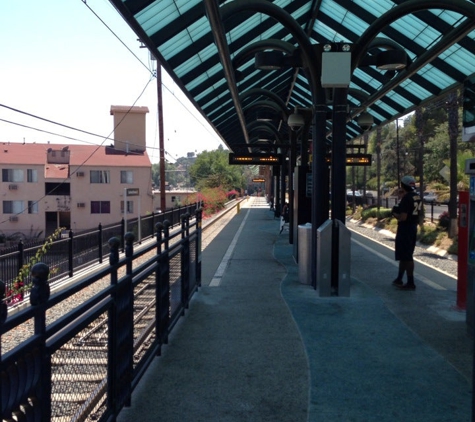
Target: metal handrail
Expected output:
[77,251]
[164,274]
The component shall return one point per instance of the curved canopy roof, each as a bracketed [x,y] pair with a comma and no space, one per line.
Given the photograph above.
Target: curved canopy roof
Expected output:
[208,47]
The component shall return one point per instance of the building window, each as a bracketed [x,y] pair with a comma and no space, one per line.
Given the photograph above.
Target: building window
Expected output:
[127,176]
[32,175]
[61,188]
[100,176]
[12,175]
[32,207]
[12,207]
[130,207]
[100,207]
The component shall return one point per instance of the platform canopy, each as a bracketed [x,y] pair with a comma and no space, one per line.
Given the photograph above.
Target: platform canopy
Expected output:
[209,48]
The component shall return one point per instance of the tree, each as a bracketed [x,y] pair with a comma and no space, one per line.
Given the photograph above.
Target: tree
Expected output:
[211,169]
[176,174]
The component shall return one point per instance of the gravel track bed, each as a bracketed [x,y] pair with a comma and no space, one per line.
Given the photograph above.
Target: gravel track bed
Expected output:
[446,263]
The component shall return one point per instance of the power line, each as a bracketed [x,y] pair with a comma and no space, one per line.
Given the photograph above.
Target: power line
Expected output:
[116,36]
[88,158]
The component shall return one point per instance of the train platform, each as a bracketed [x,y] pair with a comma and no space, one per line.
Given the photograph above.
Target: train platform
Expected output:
[257,345]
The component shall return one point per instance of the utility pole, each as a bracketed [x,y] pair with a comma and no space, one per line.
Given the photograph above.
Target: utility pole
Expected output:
[161,138]
[398,164]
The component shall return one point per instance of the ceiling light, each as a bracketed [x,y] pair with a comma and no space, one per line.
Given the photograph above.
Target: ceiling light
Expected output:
[268,60]
[391,60]
[365,120]
[265,116]
[295,120]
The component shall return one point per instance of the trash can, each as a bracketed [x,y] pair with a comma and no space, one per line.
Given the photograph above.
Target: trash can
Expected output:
[305,253]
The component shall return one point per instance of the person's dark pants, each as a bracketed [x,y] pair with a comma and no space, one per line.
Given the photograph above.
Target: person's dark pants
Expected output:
[406,236]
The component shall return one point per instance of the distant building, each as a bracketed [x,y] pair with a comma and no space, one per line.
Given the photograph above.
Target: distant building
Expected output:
[47,186]
[173,198]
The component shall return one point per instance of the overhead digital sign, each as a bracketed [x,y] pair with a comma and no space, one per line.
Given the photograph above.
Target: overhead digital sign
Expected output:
[255,158]
[355,159]
[259,180]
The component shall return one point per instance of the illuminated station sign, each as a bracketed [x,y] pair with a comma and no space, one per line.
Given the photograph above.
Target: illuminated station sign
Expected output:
[256,158]
[355,159]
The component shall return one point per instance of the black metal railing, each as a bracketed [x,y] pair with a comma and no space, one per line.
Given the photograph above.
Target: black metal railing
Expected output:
[85,363]
[67,255]
[388,202]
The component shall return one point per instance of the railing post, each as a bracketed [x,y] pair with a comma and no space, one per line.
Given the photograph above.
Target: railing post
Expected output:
[122,232]
[99,242]
[128,319]
[39,296]
[166,233]
[21,257]
[185,261]
[199,231]
[70,254]
[162,289]
[29,374]
[3,318]
[113,339]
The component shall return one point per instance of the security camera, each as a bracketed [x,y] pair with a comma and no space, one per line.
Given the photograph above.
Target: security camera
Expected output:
[295,121]
[365,121]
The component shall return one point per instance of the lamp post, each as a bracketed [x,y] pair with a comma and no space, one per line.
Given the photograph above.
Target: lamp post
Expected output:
[378,165]
[398,163]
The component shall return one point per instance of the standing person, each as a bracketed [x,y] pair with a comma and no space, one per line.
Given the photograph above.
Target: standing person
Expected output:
[407,215]
[285,217]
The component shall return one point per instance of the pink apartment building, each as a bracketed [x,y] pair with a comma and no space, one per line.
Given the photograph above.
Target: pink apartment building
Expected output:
[46,186]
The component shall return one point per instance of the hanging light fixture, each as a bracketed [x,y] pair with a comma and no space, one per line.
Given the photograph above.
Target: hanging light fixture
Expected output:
[295,120]
[391,60]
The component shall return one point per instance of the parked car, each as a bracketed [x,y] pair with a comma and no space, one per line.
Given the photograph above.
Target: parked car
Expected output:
[350,192]
[430,197]
[357,198]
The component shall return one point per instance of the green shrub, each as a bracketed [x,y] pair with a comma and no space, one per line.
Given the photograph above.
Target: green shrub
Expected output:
[392,224]
[428,236]
[358,212]
[373,212]
[454,247]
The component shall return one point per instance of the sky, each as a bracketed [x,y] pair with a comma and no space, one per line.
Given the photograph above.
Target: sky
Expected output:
[64,61]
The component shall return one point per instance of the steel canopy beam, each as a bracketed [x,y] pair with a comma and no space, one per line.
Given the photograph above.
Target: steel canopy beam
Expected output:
[448,40]
[214,17]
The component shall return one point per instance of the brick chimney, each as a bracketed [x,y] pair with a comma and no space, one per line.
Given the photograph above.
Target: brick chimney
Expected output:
[129,128]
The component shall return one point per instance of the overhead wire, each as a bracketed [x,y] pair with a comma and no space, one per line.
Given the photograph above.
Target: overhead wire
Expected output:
[85,160]
[68,137]
[91,133]
[149,68]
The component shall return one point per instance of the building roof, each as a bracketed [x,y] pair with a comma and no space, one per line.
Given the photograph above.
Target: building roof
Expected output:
[208,48]
[80,155]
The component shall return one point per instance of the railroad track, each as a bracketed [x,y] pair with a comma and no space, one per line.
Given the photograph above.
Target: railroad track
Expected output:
[79,368]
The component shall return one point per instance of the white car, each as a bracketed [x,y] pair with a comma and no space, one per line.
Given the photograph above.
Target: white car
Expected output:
[430,197]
